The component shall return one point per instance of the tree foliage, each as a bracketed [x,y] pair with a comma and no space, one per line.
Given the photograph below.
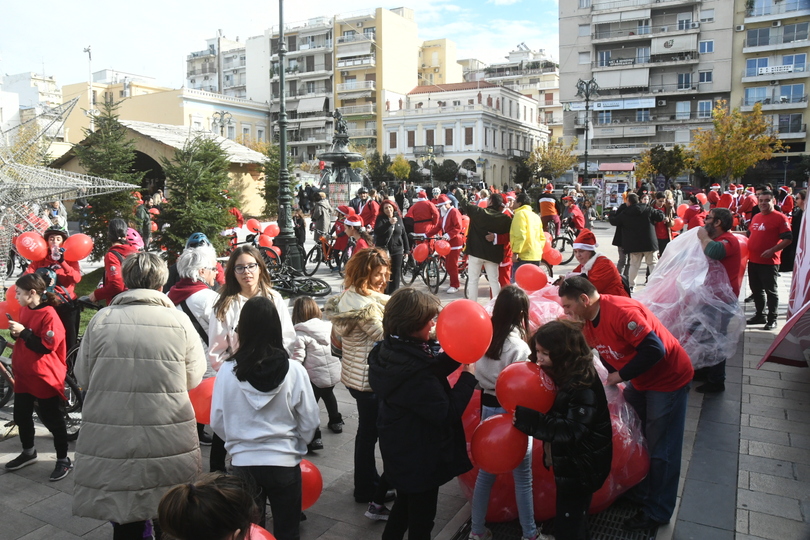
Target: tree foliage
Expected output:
[668,163]
[524,174]
[738,142]
[446,173]
[378,166]
[400,167]
[108,153]
[552,160]
[198,178]
[271,169]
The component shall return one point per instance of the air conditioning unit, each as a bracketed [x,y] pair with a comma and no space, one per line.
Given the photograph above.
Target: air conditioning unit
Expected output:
[662,103]
[739,27]
[776,24]
[359,25]
[435,70]
[424,66]
[694,25]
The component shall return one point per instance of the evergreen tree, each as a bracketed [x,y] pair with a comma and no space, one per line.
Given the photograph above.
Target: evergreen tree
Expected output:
[378,167]
[198,179]
[108,153]
[271,169]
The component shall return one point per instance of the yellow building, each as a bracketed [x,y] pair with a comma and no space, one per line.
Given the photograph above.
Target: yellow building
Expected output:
[438,63]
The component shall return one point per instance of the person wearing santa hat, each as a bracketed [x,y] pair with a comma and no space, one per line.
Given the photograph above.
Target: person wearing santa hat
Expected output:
[369,209]
[785,200]
[575,216]
[598,268]
[747,204]
[714,195]
[695,215]
[452,231]
[423,213]
[359,238]
[549,210]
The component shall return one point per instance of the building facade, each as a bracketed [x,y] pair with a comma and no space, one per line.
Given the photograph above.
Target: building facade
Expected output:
[477,125]
[220,67]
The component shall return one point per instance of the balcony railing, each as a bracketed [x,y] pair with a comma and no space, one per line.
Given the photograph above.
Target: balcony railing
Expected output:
[774,99]
[654,59]
[542,85]
[233,65]
[357,109]
[777,39]
[647,31]
[314,46]
[362,133]
[363,61]
[774,70]
[790,130]
[778,8]
[357,85]
[629,3]
[354,38]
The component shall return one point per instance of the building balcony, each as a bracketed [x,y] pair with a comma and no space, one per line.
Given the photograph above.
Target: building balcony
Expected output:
[774,103]
[356,38]
[777,41]
[777,10]
[233,84]
[358,109]
[517,153]
[309,48]
[357,85]
[233,65]
[203,71]
[543,85]
[557,120]
[619,4]
[614,34]
[775,73]
[619,149]
[657,60]
[318,71]
[359,62]
[793,132]
[356,133]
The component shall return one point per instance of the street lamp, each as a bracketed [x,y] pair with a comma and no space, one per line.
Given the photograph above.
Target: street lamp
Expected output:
[588,90]
[221,119]
[429,158]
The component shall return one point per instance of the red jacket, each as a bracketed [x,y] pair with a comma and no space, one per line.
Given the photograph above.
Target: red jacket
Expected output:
[450,225]
[370,212]
[41,374]
[604,275]
[113,278]
[425,216]
[341,238]
[67,273]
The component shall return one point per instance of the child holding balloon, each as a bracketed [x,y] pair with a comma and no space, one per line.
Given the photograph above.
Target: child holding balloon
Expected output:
[510,327]
[577,431]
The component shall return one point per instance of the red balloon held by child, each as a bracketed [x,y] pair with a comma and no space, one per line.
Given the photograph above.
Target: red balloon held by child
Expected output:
[677,224]
[525,384]
[464,330]
[32,246]
[311,484]
[442,247]
[497,446]
[681,210]
[77,247]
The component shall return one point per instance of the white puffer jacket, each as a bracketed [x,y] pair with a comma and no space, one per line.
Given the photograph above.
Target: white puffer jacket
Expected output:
[313,349]
[357,319]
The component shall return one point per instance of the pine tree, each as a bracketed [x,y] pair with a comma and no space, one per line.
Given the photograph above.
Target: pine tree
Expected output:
[271,169]
[198,179]
[108,153]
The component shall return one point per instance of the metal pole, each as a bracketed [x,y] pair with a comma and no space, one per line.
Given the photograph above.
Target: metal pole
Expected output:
[90,111]
[587,89]
[286,239]
[587,120]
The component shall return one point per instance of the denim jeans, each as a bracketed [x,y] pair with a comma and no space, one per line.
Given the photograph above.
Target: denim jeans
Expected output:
[523,489]
[518,264]
[663,416]
[474,265]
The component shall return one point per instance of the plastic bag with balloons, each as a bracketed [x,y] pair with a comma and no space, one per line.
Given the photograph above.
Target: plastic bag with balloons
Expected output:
[692,297]
[544,306]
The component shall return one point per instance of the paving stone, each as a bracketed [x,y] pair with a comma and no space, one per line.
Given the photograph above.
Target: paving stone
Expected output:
[775,485]
[777,413]
[766,503]
[783,403]
[16,525]
[775,451]
[315,526]
[799,416]
[765,435]
[748,537]
[57,511]
[344,531]
[722,411]
[714,466]
[800,441]
[686,530]
[718,436]
[742,521]
[768,526]
[709,504]
[802,473]
[766,465]
[49,532]
[19,492]
[762,390]
[743,479]
[777,424]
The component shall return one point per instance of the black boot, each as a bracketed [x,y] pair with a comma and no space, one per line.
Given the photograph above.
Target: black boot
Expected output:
[771,324]
[759,318]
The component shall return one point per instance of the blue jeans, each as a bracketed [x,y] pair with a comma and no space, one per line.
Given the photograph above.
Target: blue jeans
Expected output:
[518,264]
[523,489]
[663,416]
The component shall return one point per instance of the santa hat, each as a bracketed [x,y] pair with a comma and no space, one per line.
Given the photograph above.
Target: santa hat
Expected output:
[548,189]
[740,187]
[568,198]
[784,188]
[715,186]
[421,196]
[353,219]
[732,187]
[511,196]
[750,190]
[586,241]
[343,209]
[441,200]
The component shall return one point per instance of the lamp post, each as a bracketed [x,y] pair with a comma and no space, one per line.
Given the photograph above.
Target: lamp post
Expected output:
[429,157]
[286,238]
[588,90]
[221,119]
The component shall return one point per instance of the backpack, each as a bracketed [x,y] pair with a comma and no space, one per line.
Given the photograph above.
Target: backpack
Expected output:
[52,283]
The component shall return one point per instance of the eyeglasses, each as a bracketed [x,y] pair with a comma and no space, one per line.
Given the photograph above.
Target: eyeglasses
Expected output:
[241,269]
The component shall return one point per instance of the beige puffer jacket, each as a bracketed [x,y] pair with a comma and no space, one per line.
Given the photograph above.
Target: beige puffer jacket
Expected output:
[357,319]
[138,358]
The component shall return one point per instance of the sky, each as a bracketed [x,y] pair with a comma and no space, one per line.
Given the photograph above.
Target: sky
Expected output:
[153,37]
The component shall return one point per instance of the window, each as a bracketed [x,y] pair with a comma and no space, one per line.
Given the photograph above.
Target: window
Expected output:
[584,30]
[457,103]
[448,137]
[791,93]
[468,136]
[757,37]
[642,55]
[643,27]
[790,123]
[486,137]
[429,137]
[683,136]
[798,61]
[795,32]
[705,76]
[349,34]
[643,115]
[411,139]
[683,110]
[549,118]
[585,57]
[310,87]
[684,21]
[604,117]
[706,47]
[392,140]
[704,109]
[752,66]
[260,134]
[754,95]
[684,81]
[584,4]
[604,58]
[246,132]
[706,15]
[231,132]
[369,32]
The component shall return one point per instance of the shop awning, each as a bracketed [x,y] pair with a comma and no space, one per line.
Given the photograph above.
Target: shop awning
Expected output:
[311,104]
[617,166]
[319,121]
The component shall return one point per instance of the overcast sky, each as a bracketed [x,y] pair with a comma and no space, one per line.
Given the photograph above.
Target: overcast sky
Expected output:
[153,37]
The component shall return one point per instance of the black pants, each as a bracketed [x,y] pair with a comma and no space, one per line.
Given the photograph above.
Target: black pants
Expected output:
[368,484]
[762,280]
[282,487]
[329,399]
[662,244]
[51,412]
[571,520]
[134,530]
[216,460]
[396,273]
[414,513]
[70,315]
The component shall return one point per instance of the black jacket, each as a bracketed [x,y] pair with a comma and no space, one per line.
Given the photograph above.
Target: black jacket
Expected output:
[638,231]
[419,422]
[391,237]
[581,436]
[482,222]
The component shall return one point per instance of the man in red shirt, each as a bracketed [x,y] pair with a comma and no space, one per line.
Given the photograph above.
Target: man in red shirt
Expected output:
[720,244]
[575,215]
[451,230]
[768,234]
[635,347]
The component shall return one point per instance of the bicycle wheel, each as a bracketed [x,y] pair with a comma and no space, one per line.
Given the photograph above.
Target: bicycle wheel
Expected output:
[313,287]
[10,263]
[6,390]
[564,245]
[442,270]
[284,284]
[548,269]
[271,259]
[430,275]
[73,408]
[410,270]
[313,260]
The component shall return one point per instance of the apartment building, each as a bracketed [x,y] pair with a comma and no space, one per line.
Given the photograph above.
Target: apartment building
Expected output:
[771,46]
[220,67]
[478,125]
[661,65]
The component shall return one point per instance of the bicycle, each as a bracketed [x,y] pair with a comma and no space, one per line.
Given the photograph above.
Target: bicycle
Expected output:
[271,258]
[287,279]
[433,271]
[564,242]
[14,261]
[322,251]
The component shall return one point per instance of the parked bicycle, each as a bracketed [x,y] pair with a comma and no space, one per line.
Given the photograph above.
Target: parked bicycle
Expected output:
[271,258]
[322,252]
[15,261]
[292,282]
[432,269]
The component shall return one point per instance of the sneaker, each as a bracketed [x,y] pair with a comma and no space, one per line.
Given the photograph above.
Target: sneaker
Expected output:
[377,512]
[770,325]
[390,495]
[23,460]
[336,427]
[711,388]
[749,299]
[486,536]
[205,439]
[538,536]
[61,470]
[759,318]
[316,444]
[452,290]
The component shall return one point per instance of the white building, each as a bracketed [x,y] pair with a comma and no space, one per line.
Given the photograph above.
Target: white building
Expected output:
[477,125]
[218,68]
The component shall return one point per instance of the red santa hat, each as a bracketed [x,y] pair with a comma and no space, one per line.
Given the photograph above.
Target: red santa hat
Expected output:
[715,186]
[751,190]
[568,198]
[441,200]
[421,196]
[784,188]
[732,187]
[548,189]
[586,241]
[343,209]
[353,219]
[511,196]
[740,187]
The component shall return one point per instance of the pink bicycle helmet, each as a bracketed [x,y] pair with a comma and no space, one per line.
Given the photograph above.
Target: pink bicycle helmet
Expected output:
[134,238]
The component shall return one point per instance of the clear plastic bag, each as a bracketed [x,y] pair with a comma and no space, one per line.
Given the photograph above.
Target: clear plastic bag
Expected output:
[692,297]
[544,306]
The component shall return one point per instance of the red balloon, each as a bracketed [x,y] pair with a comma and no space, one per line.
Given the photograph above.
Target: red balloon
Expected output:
[464,330]
[272,230]
[14,306]
[736,222]
[257,532]
[554,257]
[677,224]
[681,210]
[154,227]
[442,247]
[3,319]
[497,446]
[701,197]
[253,225]
[32,246]
[421,252]
[311,484]
[77,247]
[276,250]
[531,278]
[265,241]
[525,384]
[201,400]
[154,211]
[465,224]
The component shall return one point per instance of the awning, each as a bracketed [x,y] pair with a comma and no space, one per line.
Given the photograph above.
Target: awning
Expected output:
[617,166]
[311,104]
[624,78]
[274,107]
[355,95]
[353,49]
[674,44]
[602,18]
[635,15]
[320,121]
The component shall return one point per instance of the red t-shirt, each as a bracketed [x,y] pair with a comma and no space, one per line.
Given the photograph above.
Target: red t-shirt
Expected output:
[765,231]
[41,375]
[731,262]
[605,276]
[623,325]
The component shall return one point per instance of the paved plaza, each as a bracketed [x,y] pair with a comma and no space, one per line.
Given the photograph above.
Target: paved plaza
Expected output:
[745,474]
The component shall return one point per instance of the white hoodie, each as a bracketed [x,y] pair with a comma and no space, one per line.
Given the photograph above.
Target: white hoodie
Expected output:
[265,428]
